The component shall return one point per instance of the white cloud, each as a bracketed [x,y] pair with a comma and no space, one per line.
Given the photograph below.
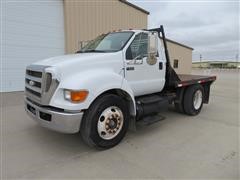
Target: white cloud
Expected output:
[211,28]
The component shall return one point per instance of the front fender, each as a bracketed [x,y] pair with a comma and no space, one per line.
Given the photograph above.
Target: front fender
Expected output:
[95,81]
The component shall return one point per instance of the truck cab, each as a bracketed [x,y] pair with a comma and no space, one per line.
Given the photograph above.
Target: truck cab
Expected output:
[113,82]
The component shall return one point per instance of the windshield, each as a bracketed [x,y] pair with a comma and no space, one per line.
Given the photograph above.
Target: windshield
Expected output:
[108,42]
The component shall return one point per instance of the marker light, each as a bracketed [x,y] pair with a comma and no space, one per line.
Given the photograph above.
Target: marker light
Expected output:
[75,96]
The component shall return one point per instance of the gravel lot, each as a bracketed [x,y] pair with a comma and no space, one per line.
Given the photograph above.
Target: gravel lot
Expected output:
[204,146]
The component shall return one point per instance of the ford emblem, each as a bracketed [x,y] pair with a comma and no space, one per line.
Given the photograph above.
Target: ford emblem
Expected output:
[32,83]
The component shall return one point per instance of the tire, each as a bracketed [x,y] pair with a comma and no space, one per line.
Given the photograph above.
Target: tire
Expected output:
[188,103]
[178,104]
[179,107]
[94,124]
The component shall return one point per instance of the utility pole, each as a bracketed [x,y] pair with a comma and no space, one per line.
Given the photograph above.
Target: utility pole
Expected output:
[236,61]
[200,61]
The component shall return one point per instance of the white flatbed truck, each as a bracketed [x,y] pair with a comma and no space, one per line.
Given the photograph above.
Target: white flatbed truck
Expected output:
[116,80]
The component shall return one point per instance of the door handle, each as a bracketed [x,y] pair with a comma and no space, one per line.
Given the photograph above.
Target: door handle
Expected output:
[130,68]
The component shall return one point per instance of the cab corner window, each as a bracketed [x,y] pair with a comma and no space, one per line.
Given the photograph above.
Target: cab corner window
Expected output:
[138,47]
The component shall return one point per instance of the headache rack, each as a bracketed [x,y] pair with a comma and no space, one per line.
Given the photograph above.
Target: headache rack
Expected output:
[173,80]
[171,76]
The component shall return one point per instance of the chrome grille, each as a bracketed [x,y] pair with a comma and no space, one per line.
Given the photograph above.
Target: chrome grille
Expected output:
[33,92]
[34,73]
[39,85]
[33,83]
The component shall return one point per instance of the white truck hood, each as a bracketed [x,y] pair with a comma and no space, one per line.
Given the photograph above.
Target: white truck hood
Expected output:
[72,58]
[66,65]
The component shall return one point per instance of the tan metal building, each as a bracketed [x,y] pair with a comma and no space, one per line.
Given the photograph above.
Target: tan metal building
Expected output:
[180,56]
[85,20]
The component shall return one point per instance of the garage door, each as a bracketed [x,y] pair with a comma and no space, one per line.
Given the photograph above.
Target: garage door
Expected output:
[31,31]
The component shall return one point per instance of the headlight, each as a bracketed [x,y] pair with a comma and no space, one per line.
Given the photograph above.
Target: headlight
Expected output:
[75,96]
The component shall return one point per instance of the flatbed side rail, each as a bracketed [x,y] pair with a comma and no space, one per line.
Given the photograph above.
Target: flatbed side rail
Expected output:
[195,81]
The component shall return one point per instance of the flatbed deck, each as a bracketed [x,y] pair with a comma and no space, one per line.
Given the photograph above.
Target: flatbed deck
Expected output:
[189,79]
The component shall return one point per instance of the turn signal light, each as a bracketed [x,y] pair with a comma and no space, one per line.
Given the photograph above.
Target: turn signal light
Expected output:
[76,96]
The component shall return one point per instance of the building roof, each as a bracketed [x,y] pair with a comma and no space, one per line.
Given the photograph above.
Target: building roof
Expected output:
[134,6]
[180,44]
[177,43]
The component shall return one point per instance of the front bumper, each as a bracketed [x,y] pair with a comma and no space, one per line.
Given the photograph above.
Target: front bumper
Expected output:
[64,122]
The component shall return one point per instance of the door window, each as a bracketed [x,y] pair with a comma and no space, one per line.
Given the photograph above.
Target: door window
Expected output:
[138,47]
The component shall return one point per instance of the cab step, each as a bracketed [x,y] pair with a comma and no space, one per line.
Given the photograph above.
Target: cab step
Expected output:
[150,119]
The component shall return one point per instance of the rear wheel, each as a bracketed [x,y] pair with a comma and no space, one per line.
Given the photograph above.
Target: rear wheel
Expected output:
[179,107]
[193,100]
[105,123]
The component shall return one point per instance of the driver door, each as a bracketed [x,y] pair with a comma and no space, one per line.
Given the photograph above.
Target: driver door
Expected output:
[144,77]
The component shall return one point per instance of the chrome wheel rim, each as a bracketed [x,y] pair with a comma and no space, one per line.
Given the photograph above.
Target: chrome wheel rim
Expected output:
[110,123]
[197,99]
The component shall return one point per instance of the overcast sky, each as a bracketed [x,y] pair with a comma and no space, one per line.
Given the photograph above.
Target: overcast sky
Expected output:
[211,28]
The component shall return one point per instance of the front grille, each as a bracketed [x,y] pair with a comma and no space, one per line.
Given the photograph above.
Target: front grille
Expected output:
[39,85]
[33,92]
[34,73]
[33,83]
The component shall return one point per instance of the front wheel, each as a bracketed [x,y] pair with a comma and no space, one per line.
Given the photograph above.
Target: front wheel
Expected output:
[105,123]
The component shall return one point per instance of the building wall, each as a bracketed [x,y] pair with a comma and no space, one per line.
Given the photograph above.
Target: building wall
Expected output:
[199,65]
[84,20]
[216,64]
[183,55]
[233,64]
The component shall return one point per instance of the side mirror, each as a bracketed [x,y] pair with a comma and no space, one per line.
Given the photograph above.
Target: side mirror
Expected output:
[152,44]
[152,48]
